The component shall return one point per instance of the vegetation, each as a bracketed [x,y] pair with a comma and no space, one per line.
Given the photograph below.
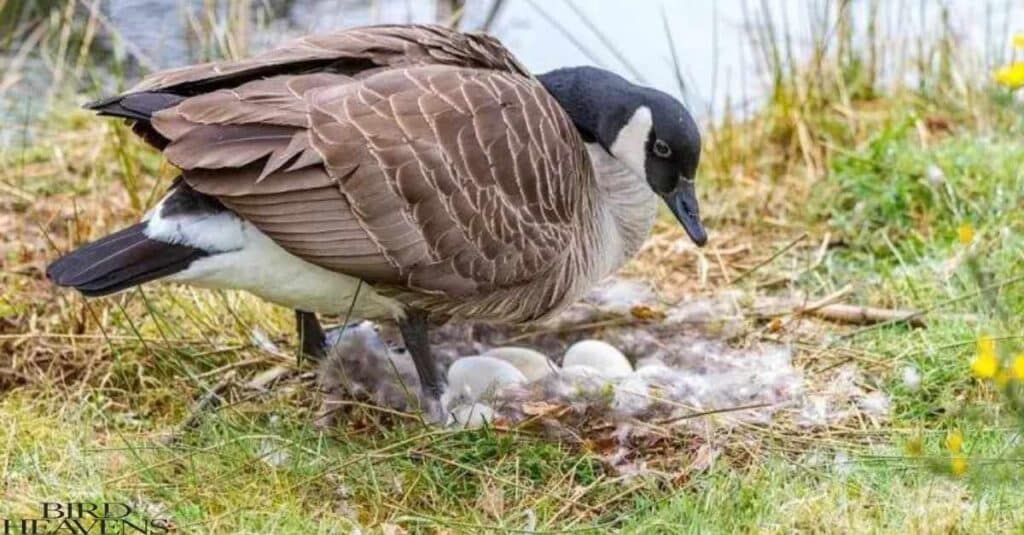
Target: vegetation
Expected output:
[844,181]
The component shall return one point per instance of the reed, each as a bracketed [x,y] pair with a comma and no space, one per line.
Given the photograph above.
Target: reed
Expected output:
[875,164]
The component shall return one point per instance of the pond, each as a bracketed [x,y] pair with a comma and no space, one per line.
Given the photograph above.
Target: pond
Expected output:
[716,43]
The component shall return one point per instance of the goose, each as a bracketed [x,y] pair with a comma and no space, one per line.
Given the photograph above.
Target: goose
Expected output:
[405,173]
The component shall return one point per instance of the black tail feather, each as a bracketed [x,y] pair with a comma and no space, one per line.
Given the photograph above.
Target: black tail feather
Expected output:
[138,110]
[121,260]
[136,106]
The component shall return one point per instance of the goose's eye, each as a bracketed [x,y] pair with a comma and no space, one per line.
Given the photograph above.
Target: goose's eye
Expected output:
[661,149]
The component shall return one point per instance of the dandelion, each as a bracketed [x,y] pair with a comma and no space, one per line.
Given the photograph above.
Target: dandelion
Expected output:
[986,364]
[1017,367]
[965,233]
[986,345]
[1010,76]
[954,441]
[1018,40]
[958,465]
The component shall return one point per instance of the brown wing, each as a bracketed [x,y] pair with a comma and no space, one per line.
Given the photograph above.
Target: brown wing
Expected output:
[348,52]
[445,180]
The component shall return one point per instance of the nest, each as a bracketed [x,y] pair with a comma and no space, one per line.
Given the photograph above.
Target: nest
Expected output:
[682,372]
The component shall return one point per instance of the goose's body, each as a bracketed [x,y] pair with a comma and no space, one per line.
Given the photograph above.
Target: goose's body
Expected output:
[245,258]
[396,172]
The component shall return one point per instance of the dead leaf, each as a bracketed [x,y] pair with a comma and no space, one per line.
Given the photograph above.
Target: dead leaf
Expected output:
[704,457]
[646,313]
[392,529]
[492,501]
[543,409]
[938,124]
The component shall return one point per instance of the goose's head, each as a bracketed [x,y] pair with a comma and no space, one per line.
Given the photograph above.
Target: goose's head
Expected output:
[647,130]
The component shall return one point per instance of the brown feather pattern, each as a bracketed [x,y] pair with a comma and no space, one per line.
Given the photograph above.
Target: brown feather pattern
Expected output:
[444,174]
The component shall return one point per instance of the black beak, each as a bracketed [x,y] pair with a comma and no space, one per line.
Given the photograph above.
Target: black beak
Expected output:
[683,203]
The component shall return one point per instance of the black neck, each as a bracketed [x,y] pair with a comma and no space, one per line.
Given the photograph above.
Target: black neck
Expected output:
[598,102]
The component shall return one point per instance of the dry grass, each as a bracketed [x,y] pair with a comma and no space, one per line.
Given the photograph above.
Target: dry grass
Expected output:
[120,373]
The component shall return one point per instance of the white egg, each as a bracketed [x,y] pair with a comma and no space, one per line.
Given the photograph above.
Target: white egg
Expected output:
[472,377]
[585,372]
[471,416]
[601,356]
[533,364]
[577,381]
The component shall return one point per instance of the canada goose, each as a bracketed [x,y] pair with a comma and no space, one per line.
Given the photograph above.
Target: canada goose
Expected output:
[396,172]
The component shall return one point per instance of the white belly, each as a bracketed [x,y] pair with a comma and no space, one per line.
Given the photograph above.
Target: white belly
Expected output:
[251,261]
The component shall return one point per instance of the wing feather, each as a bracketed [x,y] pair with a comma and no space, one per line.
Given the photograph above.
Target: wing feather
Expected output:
[352,52]
[434,179]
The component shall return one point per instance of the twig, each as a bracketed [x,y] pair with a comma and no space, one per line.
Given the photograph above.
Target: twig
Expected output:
[619,321]
[208,402]
[827,300]
[771,258]
[265,379]
[936,306]
[227,367]
[701,414]
[865,315]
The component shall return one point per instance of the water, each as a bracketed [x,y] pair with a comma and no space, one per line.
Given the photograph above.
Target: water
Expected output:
[713,40]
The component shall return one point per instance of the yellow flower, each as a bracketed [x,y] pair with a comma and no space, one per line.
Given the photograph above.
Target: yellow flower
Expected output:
[987,346]
[1018,40]
[1010,76]
[965,233]
[958,465]
[1017,368]
[954,441]
[985,365]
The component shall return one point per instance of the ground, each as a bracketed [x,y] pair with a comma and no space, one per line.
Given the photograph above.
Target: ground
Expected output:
[902,199]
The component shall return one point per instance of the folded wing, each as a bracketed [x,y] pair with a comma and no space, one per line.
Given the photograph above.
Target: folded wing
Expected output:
[351,52]
[448,180]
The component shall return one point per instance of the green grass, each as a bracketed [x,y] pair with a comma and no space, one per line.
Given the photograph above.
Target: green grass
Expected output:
[260,465]
[859,497]
[90,389]
[898,219]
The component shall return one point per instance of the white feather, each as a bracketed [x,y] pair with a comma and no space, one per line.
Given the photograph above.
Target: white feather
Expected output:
[630,146]
[244,258]
[219,232]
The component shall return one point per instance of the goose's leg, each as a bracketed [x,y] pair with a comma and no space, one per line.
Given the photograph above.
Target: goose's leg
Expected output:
[311,335]
[414,334]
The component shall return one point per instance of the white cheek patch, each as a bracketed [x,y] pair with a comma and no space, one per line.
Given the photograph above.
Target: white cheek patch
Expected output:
[630,145]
